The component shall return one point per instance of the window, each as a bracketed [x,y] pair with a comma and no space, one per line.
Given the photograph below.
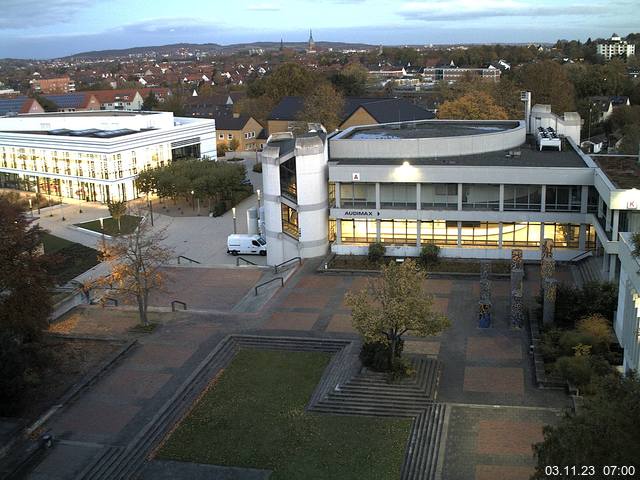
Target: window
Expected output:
[439,196]
[398,232]
[523,197]
[480,234]
[563,198]
[289,220]
[332,195]
[563,235]
[221,136]
[439,232]
[398,195]
[522,234]
[358,231]
[480,197]
[288,183]
[358,195]
[592,200]
[229,136]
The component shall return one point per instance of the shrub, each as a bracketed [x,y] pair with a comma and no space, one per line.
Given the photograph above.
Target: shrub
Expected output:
[577,370]
[375,355]
[597,326]
[549,344]
[573,304]
[376,252]
[429,255]
[257,168]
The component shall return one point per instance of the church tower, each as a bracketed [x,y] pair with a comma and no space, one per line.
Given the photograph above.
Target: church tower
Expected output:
[311,48]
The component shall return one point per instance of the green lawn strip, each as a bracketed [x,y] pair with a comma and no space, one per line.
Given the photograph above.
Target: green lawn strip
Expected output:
[128,224]
[254,417]
[69,259]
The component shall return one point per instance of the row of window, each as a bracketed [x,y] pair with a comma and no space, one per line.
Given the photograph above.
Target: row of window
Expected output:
[474,196]
[247,136]
[452,233]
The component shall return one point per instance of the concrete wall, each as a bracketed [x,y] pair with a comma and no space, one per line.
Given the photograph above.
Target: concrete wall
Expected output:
[342,147]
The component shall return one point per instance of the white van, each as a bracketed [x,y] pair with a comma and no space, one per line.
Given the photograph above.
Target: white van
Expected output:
[243,243]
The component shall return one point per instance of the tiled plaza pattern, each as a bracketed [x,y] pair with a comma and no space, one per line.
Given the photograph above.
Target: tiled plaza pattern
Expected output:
[489,367]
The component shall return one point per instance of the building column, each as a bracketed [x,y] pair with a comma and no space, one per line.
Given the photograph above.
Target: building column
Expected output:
[377,196]
[600,203]
[338,240]
[378,230]
[543,198]
[501,198]
[418,197]
[500,235]
[582,239]
[608,221]
[459,243]
[459,197]
[418,241]
[337,190]
[613,260]
[584,199]
[614,227]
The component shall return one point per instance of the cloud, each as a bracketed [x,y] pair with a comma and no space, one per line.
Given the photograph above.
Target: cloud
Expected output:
[18,14]
[472,9]
[264,7]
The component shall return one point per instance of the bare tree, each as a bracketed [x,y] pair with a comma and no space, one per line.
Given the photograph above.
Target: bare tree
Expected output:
[136,262]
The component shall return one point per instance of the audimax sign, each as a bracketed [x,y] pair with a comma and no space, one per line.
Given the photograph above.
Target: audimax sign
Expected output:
[362,213]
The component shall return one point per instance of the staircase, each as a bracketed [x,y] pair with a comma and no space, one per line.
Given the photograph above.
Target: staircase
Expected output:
[344,389]
[587,270]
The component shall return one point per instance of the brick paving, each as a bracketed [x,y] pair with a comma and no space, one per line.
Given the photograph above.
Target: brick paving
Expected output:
[480,366]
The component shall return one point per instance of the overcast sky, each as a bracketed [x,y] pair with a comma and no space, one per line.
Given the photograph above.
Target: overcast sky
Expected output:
[52,28]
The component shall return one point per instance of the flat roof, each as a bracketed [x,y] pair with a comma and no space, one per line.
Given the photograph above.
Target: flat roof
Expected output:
[529,156]
[623,171]
[91,113]
[89,132]
[429,129]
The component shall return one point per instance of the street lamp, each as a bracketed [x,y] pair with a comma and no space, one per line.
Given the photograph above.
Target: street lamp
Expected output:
[193,204]
[233,212]
[258,193]
[102,227]
[31,208]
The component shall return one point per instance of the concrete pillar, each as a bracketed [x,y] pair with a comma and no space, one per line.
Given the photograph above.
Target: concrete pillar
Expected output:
[608,220]
[543,198]
[584,199]
[377,196]
[613,260]
[501,201]
[418,197]
[418,225]
[500,235]
[459,243]
[615,225]
[338,231]
[582,240]
[338,204]
[549,301]
[378,229]
[459,196]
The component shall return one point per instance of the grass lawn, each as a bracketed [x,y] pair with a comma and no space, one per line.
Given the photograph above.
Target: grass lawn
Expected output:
[128,224]
[70,259]
[444,265]
[254,417]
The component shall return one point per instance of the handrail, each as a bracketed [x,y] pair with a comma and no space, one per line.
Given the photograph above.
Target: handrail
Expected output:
[268,282]
[173,305]
[582,255]
[187,258]
[275,268]
[249,262]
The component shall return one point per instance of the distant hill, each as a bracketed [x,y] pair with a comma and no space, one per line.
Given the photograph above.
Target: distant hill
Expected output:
[207,48]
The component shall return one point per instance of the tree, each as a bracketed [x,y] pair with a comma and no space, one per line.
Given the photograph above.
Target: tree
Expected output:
[550,84]
[289,79]
[150,102]
[393,305]
[472,106]
[324,105]
[234,144]
[351,81]
[603,432]
[136,262]
[117,210]
[25,302]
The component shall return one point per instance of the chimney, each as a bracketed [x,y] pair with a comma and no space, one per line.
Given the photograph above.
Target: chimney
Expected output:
[236,115]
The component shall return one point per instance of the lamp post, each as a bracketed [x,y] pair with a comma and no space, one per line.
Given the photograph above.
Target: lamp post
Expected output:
[258,193]
[193,204]
[102,227]
[31,207]
[233,212]
[150,208]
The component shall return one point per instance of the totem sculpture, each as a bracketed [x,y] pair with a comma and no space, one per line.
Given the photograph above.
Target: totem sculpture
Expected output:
[549,284]
[484,305]
[516,315]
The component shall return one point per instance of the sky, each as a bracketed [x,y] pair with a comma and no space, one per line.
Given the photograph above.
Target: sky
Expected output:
[53,28]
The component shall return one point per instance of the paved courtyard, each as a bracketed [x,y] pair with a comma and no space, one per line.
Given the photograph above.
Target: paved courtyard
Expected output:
[496,412]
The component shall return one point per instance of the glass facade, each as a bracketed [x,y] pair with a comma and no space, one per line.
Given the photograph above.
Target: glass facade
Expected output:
[523,197]
[398,232]
[480,234]
[440,232]
[398,195]
[563,198]
[480,197]
[358,231]
[288,184]
[439,196]
[358,195]
[289,220]
[521,234]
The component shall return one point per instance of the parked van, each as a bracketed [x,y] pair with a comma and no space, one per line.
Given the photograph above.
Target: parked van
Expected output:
[242,244]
